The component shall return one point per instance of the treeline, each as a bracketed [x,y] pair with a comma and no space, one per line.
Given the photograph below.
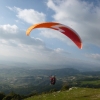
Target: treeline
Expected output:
[11,96]
[14,96]
[89,82]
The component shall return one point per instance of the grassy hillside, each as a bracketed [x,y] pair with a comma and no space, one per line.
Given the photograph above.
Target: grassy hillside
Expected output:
[71,94]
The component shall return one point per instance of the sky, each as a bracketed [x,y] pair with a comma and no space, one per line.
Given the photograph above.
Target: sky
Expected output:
[47,48]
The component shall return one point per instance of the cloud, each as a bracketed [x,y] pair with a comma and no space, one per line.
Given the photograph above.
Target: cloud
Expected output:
[80,15]
[11,32]
[17,44]
[49,33]
[30,16]
[93,56]
[10,8]
[19,47]
[8,28]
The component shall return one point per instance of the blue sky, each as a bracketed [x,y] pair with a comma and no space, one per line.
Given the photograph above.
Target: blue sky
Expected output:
[46,47]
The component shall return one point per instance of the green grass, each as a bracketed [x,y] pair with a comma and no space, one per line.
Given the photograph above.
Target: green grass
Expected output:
[73,94]
[97,82]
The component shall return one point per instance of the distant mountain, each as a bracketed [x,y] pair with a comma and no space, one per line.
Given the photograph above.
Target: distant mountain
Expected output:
[29,71]
[57,72]
[36,72]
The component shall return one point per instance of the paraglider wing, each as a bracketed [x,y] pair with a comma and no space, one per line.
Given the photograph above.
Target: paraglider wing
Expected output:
[61,28]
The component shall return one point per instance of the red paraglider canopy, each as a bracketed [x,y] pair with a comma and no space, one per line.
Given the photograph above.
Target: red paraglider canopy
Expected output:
[61,28]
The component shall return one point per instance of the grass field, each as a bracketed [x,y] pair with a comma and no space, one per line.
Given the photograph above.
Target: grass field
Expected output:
[71,94]
[97,82]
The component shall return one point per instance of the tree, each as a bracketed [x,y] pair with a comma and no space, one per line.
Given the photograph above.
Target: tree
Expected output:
[2,95]
[65,86]
[12,96]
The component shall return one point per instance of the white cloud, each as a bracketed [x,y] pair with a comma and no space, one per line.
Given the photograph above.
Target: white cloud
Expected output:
[19,47]
[82,16]
[49,33]
[9,28]
[3,41]
[12,32]
[30,16]
[93,56]
[59,50]
[22,48]
[10,8]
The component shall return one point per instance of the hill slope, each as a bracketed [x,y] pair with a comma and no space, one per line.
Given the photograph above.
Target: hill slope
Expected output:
[71,94]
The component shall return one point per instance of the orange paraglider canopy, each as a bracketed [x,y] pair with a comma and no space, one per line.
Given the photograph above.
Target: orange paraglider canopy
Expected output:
[61,28]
